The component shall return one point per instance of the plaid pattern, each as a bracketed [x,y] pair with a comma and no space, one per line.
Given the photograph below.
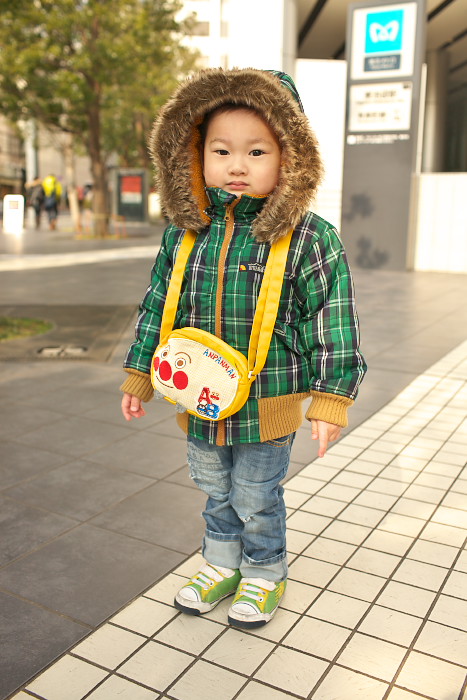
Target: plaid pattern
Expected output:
[288,83]
[315,340]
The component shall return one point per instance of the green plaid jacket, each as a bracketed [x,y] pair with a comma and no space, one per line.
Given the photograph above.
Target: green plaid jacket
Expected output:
[315,340]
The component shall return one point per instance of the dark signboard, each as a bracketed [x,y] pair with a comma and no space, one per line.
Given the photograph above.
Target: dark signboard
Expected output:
[385,51]
[132,194]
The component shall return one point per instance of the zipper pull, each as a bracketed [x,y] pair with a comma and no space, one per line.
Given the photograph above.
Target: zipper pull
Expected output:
[229,211]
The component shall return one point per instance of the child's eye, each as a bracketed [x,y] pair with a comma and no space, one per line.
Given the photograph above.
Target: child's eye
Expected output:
[222,152]
[257,152]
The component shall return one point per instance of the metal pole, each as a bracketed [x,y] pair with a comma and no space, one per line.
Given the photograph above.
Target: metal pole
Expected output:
[32,165]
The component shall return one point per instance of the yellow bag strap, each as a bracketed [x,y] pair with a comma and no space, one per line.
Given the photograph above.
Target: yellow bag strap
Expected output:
[266,307]
[175,285]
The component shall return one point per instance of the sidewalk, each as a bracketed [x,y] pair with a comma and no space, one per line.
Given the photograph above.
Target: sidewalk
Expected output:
[90,516]
[376,603]
[63,240]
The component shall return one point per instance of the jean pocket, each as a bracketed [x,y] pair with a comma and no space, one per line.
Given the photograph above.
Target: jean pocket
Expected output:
[281,441]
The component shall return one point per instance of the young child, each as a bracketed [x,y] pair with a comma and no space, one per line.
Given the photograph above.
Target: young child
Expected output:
[237,163]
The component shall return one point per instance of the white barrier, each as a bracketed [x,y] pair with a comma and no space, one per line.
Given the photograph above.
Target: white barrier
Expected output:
[439,232]
[13,214]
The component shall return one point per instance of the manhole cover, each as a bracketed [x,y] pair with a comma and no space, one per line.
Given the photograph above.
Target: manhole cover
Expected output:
[63,351]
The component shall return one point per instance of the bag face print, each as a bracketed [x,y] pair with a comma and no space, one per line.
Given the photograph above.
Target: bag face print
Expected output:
[201,373]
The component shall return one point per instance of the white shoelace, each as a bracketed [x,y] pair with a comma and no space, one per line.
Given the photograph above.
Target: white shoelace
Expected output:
[207,576]
[256,591]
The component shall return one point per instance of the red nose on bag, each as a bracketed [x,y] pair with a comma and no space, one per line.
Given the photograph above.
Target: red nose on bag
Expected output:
[165,371]
[180,380]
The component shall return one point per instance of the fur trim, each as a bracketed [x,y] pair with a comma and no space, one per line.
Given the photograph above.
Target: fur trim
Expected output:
[177,159]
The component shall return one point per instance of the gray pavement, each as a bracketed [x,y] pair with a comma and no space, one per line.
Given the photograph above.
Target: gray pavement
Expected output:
[94,511]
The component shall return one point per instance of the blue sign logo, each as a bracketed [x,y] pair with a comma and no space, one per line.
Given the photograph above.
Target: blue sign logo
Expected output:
[384,31]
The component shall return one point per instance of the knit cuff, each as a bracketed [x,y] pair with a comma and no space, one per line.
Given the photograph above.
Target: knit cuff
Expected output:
[138,384]
[330,408]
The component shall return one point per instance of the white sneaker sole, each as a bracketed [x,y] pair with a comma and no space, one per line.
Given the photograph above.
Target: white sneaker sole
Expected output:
[250,621]
[197,607]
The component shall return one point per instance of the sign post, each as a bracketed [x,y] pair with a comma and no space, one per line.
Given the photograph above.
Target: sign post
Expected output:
[386,50]
[13,214]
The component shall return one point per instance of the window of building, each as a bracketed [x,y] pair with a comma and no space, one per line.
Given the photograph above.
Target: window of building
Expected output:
[200,29]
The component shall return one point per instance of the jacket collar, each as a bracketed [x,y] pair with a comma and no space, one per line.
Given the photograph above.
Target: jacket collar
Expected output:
[247,207]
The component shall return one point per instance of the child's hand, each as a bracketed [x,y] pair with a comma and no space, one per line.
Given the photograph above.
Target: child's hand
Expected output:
[132,407]
[325,433]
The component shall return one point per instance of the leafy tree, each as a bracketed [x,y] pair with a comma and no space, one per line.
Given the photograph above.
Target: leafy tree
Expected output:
[95,69]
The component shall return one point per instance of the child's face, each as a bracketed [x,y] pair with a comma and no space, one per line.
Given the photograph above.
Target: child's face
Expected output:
[241,154]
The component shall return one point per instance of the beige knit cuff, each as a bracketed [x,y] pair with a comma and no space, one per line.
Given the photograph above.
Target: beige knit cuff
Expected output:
[329,407]
[138,384]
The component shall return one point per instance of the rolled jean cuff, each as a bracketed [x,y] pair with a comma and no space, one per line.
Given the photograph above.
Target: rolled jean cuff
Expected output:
[274,569]
[222,550]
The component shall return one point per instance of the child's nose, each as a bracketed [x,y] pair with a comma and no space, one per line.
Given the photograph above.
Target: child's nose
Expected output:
[238,165]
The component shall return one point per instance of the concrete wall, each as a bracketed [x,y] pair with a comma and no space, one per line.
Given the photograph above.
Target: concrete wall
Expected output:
[327,119]
[266,39]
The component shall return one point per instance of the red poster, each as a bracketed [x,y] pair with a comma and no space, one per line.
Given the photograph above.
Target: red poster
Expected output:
[131,188]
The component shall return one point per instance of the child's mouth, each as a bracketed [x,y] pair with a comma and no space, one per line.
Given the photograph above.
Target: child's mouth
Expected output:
[237,185]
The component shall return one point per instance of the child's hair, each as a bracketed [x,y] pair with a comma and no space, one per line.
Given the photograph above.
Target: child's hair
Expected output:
[223,109]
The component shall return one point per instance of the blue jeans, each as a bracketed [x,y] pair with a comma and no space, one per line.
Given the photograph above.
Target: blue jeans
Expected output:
[245,510]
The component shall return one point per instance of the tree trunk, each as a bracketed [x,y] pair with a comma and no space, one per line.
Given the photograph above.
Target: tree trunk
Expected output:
[69,158]
[99,175]
[142,140]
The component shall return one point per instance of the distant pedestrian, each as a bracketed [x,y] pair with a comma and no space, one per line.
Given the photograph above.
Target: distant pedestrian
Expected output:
[35,197]
[52,196]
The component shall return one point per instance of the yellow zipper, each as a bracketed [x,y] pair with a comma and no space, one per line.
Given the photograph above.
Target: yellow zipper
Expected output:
[229,228]
[230,223]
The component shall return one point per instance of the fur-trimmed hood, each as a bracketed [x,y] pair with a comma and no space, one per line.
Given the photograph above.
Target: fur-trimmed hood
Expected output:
[175,147]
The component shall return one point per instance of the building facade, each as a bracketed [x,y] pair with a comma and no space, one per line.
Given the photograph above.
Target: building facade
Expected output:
[12,163]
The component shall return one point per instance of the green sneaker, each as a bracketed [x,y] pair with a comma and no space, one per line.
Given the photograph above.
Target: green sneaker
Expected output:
[256,602]
[207,588]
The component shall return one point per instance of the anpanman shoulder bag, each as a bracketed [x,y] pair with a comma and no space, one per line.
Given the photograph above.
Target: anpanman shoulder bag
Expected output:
[198,370]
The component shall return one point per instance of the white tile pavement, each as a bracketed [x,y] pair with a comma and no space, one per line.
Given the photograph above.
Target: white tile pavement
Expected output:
[376,607]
